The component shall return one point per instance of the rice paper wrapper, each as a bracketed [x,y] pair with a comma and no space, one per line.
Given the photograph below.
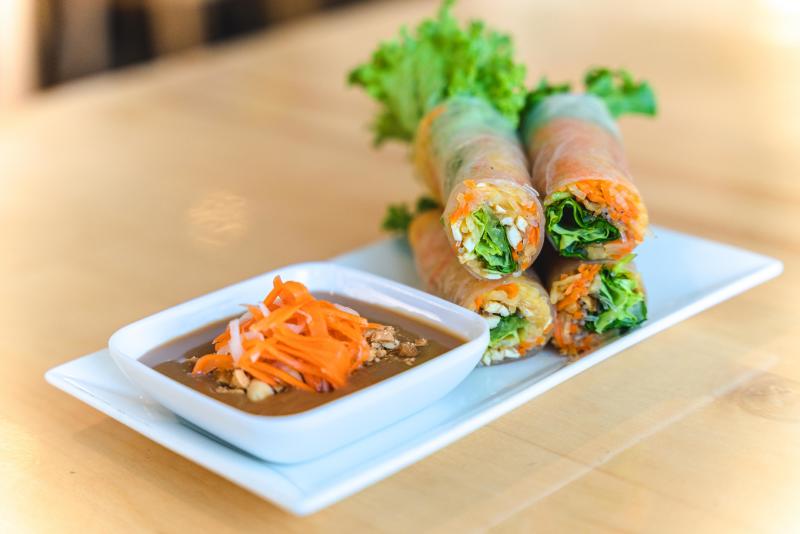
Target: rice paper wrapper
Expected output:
[465,138]
[573,138]
[464,146]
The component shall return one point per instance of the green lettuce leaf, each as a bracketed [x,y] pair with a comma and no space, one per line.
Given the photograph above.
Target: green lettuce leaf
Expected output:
[398,216]
[622,302]
[492,248]
[571,226]
[410,75]
[616,88]
[509,327]
[542,91]
[620,92]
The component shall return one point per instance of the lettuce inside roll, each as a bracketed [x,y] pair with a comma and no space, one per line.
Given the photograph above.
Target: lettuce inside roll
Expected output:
[507,330]
[595,302]
[572,228]
[620,301]
[492,248]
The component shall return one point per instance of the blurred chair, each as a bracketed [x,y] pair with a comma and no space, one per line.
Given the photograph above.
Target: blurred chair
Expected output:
[48,42]
[18,72]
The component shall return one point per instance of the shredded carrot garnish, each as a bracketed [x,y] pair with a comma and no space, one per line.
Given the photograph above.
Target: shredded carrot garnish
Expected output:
[292,334]
[210,362]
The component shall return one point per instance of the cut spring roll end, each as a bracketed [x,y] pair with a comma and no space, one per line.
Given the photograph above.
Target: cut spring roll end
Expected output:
[494,226]
[595,219]
[594,303]
[518,310]
[520,320]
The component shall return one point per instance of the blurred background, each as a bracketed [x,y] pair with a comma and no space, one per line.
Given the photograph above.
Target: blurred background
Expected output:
[154,150]
[44,43]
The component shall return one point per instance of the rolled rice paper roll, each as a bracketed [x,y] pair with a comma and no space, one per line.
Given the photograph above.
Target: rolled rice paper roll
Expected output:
[517,309]
[594,301]
[471,158]
[592,208]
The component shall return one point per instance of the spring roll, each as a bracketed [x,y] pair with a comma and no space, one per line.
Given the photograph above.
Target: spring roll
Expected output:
[470,157]
[517,309]
[455,92]
[594,301]
[592,208]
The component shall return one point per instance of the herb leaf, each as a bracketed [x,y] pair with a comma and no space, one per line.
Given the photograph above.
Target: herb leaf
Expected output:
[425,203]
[398,216]
[620,92]
[397,219]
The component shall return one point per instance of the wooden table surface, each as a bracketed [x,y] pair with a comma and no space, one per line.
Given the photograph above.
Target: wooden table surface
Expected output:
[128,193]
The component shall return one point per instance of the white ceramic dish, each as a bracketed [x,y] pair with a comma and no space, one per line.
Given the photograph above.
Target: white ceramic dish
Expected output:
[684,275]
[305,435]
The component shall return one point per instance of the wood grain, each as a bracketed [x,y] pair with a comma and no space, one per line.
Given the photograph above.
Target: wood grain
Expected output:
[128,193]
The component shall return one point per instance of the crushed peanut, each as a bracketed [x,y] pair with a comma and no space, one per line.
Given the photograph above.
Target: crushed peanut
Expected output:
[407,350]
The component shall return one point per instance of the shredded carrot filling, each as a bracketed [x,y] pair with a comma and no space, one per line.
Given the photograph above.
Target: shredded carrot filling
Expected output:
[621,206]
[566,331]
[511,289]
[524,347]
[292,334]
[532,235]
[580,287]
[465,201]
[566,340]
[621,203]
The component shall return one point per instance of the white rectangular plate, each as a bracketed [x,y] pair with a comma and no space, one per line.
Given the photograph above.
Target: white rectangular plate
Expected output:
[683,275]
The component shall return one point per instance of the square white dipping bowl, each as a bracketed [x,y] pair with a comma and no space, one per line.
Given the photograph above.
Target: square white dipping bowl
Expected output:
[312,433]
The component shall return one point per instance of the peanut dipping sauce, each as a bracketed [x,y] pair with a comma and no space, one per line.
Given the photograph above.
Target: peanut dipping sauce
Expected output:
[170,360]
